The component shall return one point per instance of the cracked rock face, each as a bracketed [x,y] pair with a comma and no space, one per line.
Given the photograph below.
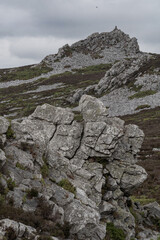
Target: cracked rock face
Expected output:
[84,171]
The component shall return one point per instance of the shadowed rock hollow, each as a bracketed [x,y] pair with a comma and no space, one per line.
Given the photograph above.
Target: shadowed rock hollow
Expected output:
[82,171]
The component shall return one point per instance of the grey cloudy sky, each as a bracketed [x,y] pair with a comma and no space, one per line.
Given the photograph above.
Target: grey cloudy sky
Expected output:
[32,29]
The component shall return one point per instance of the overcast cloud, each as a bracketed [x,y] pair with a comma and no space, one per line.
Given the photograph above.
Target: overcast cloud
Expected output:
[32,29]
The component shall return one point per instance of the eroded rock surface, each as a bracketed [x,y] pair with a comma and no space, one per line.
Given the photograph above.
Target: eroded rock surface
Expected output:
[75,173]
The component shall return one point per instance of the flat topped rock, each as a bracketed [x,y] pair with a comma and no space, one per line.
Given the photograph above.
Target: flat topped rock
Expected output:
[56,115]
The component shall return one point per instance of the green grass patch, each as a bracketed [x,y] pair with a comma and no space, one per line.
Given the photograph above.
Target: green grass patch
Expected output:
[142,106]
[20,166]
[23,73]
[142,94]
[67,185]
[114,233]
[142,199]
[78,117]
[93,69]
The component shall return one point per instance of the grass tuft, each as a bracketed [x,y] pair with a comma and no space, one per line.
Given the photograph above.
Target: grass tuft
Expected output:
[142,94]
[143,106]
[67,185]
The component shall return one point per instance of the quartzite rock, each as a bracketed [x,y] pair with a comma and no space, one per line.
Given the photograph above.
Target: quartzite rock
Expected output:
[81,170]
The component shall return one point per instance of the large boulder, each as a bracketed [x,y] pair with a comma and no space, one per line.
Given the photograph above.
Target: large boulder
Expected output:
[92,109]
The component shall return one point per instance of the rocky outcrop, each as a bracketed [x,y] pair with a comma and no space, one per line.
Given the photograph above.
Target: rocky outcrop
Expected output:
[121,73]
[98,48]
[74,174]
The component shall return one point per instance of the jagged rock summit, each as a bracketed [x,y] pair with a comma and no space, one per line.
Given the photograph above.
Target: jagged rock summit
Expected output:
[95,49]
[71,179]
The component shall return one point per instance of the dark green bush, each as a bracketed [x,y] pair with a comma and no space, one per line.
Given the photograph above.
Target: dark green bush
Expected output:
[114,233]
[10,133]
[32,193]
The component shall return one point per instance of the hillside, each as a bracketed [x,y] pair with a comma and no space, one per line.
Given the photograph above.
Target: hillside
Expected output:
[110,67]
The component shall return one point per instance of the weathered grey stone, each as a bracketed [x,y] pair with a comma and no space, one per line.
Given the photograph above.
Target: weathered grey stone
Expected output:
[66,139]
[125,221]
[60,196]
[2,158]
[24,159]
[129,145]
[106,208]
[133,176]
[117,194]
[112,183]
[20,229]
[56,115]
[2,140]
[92,231]
[92,109]
[51,149]
[108,195]
[120,73]
[81,216]
[30,205]
[4,124]
[153,210]
[82,196]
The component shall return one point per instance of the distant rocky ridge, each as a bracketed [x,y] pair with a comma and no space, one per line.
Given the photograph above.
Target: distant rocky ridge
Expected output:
[73,173]
[98,48]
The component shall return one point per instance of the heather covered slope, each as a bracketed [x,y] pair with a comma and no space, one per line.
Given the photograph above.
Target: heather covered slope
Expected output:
[149,156]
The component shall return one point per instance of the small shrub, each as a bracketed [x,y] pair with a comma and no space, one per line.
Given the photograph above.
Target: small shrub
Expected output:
[32,193]
[65,183]
[11,184]
[114,233]
[10,133]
